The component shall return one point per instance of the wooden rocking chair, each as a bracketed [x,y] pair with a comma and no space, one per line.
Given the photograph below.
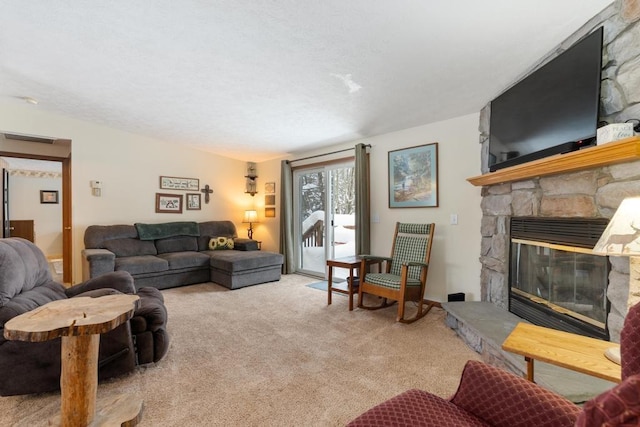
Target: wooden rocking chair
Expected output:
[405,275]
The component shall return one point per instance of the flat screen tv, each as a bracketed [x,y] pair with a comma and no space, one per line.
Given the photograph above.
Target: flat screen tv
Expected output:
[553,110]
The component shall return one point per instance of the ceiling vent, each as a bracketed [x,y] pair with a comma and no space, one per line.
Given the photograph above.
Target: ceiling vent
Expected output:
[29,138]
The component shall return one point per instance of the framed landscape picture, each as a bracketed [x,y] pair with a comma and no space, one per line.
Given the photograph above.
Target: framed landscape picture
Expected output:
[168,203]
[48,196]
[413,177]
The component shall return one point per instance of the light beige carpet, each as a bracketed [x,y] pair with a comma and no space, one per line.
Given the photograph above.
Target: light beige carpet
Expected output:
[275,355]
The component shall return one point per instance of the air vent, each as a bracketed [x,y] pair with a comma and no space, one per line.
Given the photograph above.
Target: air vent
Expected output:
[578,232]
[29,138]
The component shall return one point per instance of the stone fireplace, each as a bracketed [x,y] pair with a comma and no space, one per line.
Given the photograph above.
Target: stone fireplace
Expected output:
[554,279]
[594,192]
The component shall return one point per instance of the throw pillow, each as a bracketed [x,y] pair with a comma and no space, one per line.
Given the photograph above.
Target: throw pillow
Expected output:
[220,243]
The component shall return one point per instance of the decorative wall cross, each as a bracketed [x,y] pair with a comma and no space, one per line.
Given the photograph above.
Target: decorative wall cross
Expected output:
[206,190]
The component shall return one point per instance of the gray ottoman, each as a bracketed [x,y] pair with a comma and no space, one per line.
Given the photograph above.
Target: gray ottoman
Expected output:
[236,269]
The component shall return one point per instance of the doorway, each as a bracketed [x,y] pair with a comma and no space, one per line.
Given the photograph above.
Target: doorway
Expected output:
[23,147]
[324,212]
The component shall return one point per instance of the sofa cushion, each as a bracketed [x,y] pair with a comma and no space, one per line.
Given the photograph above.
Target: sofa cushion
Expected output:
[619,406]
[167,229]
[178,260]
[95,236]
[22,267]
[31,299]
[234,261]
[142,264]
[209,229]
[246,245]
[176,244]
[130,247]
[503,399]
[416,408]
[221,243]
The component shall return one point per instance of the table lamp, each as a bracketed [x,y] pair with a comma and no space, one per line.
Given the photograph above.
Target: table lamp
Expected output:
[622,238]
[250,217]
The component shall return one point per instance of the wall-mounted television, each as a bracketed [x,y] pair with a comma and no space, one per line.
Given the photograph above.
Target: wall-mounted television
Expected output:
[553,110]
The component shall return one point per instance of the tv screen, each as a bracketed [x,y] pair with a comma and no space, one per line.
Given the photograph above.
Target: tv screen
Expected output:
[553,110]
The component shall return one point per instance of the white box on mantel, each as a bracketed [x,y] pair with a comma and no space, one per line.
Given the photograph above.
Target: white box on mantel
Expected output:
[614,132]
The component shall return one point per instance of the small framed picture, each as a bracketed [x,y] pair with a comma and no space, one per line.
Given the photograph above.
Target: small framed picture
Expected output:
[270,187]
[270,199]
[168,203]
[193,201]
[270,212]
[49,196]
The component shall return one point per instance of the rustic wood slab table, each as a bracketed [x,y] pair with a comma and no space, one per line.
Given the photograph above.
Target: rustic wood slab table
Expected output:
[80,321]
[571,351]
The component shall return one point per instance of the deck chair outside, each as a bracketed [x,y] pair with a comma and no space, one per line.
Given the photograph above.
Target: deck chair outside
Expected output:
[405,273]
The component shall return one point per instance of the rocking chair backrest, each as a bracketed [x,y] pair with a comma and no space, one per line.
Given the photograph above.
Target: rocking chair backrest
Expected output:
[412,243]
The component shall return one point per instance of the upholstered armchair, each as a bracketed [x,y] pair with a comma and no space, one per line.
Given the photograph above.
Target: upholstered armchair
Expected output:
[26,283]
[488,396]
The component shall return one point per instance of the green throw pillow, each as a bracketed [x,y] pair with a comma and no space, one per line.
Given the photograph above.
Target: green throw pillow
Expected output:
[220,243]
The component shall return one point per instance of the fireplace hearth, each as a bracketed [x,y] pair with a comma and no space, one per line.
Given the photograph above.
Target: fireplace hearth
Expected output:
[555,280]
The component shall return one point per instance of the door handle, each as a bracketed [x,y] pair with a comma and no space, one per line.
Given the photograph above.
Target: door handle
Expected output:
[67,228]
[12,228]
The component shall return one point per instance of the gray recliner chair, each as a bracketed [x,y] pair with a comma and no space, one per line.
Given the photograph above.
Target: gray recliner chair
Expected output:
[34,367]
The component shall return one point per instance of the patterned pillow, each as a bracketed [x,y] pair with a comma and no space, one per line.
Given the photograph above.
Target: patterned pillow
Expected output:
[220,243]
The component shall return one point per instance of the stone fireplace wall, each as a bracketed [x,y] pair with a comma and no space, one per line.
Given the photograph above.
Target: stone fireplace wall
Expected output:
[592,193]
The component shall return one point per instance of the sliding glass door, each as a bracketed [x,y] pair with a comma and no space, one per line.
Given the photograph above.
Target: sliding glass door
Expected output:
[324,211]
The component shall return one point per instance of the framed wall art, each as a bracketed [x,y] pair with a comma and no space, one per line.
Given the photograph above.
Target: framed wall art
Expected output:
[413,177]
[168,203]
[270,187]
[49,196]
[176,183]
[270,199]
[269,212]
[193,201]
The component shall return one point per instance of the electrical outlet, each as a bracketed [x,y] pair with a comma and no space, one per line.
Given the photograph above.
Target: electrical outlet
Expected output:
[453,219]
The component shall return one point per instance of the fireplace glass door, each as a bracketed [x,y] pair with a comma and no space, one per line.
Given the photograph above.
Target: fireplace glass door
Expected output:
[569,282]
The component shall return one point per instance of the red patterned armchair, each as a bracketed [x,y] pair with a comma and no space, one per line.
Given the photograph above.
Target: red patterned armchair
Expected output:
[488,396]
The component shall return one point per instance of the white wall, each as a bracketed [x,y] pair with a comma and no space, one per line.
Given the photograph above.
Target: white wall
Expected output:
[455,265]
[130,166]
[25,204]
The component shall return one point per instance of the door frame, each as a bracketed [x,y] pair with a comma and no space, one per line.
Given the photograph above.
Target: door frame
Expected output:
[67,259]
[324,166]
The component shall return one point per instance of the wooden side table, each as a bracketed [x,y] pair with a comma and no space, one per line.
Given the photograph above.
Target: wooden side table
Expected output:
[351,263]
[80,321]
[571,351]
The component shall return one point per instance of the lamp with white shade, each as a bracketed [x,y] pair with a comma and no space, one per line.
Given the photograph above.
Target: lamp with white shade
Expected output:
[250,217]
[622,238]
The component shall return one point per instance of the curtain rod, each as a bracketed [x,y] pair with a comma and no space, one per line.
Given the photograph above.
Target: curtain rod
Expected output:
[325,154]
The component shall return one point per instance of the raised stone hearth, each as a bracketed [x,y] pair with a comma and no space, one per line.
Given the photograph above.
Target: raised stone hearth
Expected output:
[484,327]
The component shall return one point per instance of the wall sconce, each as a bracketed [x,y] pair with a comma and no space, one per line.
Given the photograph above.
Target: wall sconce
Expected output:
[251,187]
[250,217]
[622,238]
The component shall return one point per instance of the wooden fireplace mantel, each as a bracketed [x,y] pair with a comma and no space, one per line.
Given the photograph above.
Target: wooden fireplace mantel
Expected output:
[625,150]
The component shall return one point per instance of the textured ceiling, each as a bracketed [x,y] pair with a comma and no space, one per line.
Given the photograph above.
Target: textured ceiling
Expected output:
[273,77]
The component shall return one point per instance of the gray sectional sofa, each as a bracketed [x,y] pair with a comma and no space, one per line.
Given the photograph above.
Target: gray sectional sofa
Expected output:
[177,253]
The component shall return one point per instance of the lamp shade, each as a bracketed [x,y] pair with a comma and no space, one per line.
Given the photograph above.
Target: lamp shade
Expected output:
[250,216]
[622,235]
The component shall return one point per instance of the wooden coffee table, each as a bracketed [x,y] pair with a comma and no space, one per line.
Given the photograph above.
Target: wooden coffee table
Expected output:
[80,321]
[571,351]
[351,263]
